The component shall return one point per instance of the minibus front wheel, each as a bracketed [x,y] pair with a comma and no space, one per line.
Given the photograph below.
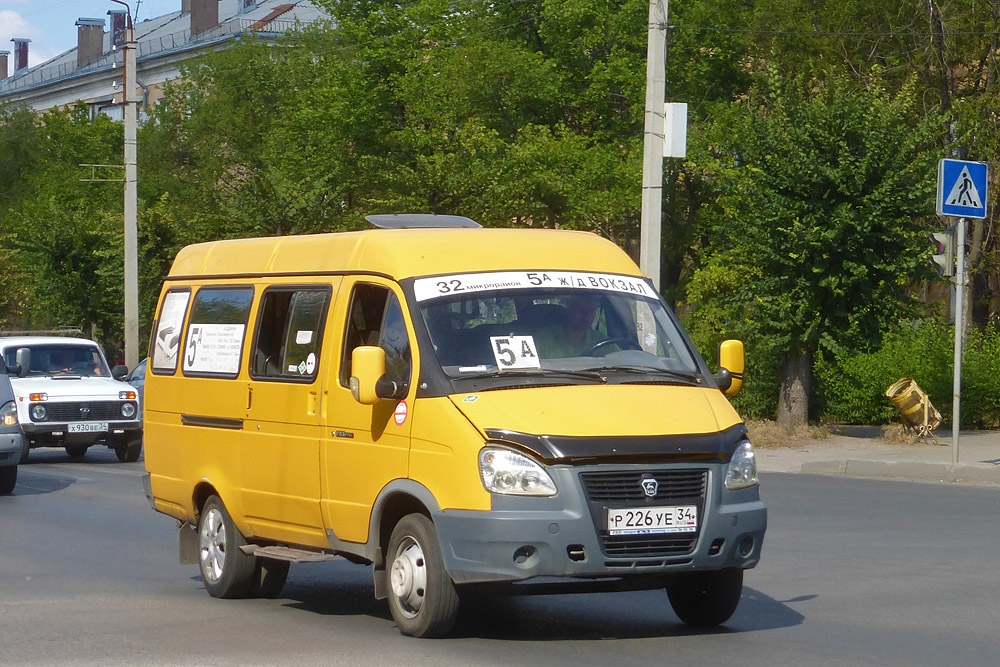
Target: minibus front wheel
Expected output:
[225,569]
[707,598]
[422,597]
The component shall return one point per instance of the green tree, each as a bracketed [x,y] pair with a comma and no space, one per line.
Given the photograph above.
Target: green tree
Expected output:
[820,193]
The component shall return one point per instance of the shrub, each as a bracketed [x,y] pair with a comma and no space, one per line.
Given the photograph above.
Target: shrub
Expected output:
[851,387]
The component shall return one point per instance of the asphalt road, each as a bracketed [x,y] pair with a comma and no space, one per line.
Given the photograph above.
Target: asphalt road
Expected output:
[854,572]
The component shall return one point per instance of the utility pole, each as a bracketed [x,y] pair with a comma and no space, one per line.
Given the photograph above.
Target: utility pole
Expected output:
[652,145]
[131,115]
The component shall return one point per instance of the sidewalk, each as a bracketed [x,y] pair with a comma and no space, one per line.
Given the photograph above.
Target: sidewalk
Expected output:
[979,458]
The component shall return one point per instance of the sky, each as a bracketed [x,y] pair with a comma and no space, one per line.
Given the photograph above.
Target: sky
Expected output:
[51,24]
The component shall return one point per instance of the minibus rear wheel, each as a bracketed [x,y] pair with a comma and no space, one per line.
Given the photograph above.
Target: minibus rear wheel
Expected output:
[422,597]
[705,599]
[225,569]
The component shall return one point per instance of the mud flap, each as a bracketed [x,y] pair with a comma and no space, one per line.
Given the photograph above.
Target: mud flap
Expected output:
[187,540]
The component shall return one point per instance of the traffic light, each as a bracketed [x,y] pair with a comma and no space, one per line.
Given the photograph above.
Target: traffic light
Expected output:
[944,260]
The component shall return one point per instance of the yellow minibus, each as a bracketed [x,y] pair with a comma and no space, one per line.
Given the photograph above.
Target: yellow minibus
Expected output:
[462,408]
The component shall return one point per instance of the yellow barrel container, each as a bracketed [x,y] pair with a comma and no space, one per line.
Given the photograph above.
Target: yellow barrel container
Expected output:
[914,406]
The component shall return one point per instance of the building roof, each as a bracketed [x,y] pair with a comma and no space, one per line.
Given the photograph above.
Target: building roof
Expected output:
[405,253]
[167,35]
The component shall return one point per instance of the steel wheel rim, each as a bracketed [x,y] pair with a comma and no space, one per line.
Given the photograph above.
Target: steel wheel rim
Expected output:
[212,545]
[408,576]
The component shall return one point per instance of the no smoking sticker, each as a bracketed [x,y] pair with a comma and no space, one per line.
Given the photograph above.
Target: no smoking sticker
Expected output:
[399,414]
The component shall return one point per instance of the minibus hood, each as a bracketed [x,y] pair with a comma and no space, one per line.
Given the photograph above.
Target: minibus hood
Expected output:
[595,411]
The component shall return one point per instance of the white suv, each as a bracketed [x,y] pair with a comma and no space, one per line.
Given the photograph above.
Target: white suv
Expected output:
[67,396]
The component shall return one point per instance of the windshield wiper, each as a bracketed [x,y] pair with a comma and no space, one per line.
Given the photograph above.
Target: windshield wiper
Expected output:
[589,374]
[689,378]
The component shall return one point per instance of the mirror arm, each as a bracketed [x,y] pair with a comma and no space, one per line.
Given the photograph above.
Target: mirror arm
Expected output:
[724,379]
[385,388]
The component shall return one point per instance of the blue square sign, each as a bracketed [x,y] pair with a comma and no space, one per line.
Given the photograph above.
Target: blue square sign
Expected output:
[961,188]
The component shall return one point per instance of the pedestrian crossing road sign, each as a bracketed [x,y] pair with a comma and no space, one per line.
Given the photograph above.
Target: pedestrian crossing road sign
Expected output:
[961,188]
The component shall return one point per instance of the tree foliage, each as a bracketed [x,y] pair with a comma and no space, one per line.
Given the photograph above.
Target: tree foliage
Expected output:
[797,222]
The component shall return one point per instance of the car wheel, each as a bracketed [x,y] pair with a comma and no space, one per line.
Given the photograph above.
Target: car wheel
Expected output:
[422,597]
[129,452]
[76,451]
[269,578]
[8,479]
[225,569]
[24,453]
[705,599]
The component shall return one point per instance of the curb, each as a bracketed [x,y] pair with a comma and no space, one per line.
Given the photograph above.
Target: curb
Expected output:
[918,471]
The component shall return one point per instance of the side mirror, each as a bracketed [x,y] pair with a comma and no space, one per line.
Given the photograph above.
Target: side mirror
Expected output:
[119,372]
[367,365]
[368,382]
[23,361]
[731,366]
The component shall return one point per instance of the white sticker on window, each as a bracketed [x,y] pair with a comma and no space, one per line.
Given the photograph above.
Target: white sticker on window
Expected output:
[213,348]
[430,288]
[310,363]
[168,330]
[514,352]
[303,337]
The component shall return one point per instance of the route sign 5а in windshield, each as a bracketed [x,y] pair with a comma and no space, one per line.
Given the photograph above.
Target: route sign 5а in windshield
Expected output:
[961,188]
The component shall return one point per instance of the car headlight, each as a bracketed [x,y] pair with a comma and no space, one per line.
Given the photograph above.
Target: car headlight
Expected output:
[38,412]
[128,410]
[512,473]
[742,470]
[8,414]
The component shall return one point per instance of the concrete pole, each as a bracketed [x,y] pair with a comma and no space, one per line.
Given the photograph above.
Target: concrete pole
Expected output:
[652,146]
[131,197]
[956,398]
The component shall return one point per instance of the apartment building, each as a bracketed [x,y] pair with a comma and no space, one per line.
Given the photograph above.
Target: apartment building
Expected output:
[92,71]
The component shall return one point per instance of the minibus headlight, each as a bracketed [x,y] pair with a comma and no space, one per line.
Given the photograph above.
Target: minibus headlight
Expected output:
[8,413]
[508,472]
[742,470]
[38,412]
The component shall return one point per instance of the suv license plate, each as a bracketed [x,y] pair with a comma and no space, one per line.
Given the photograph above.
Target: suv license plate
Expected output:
[89,427]
[649,520]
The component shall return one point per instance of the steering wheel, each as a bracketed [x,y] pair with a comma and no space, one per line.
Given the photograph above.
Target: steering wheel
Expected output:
[621,342]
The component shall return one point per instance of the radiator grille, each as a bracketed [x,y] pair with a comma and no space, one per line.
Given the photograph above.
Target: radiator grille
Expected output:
[82,411]
[624,488]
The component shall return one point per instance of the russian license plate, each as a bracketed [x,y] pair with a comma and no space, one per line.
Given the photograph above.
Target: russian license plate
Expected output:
[87,427]
[648,520]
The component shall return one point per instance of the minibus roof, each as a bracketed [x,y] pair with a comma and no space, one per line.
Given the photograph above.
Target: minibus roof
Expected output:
[404,253]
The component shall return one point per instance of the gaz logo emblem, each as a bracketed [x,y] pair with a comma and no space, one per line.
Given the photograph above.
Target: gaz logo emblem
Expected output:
[650,486]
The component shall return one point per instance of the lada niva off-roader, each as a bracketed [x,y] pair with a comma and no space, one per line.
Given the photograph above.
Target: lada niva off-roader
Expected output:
[67,396]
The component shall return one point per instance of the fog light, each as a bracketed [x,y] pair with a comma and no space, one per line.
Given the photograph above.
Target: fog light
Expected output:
[525,556]
[745,547]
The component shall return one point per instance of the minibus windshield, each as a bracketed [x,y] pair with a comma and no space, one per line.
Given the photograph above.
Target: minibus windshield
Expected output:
[538,322]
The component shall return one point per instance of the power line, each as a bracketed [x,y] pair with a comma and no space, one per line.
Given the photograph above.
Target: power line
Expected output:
[832,33]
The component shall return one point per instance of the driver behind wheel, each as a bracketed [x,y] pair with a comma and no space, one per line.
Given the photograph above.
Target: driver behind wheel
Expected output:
[577,333]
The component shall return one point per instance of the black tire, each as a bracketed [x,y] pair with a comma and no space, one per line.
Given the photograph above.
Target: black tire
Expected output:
[269,578]
[225,569]
[129,452]
[8,480]
[76,451]
[422,597]
[706,599]
[24,453]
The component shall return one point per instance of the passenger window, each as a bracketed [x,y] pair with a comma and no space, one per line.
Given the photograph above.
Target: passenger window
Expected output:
[167,336]
[218,322]
[289,329]
[376,318]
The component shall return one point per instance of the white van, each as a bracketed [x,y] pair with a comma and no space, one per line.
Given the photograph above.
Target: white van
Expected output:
[67,396]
